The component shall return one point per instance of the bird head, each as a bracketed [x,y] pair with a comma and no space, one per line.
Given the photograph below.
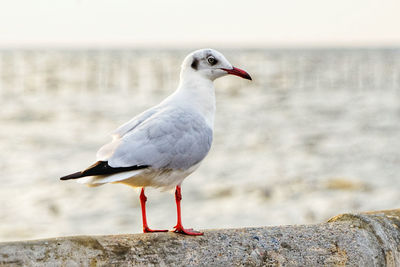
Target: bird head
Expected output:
[211,64]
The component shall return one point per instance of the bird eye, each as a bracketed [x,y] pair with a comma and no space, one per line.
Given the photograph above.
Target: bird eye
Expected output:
[212,60]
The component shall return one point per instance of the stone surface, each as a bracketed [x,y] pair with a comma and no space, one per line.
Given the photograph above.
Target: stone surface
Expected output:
[367,239]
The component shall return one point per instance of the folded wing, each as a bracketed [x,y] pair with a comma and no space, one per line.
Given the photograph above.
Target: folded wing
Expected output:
[172,138]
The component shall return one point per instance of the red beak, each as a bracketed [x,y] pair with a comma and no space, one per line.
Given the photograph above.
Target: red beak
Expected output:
[238,72]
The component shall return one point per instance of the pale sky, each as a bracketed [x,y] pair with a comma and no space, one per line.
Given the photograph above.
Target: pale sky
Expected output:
[176,23]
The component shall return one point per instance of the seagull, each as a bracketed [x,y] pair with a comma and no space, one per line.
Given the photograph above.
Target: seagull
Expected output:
[163,145]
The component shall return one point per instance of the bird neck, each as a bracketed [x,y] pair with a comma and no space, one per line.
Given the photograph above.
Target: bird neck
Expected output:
[198,93]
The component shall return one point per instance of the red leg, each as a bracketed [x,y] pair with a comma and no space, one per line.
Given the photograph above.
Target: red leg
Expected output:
[179,227]
[143,200]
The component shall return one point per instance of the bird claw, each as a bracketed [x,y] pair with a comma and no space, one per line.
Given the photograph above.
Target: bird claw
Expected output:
[148,230]
[181,230]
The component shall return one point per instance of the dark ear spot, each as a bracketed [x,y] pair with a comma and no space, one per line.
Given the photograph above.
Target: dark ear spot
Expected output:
[195,63]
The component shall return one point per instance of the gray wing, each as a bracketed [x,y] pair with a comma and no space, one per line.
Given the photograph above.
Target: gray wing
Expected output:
[128,126]
[171,138]
[108,149]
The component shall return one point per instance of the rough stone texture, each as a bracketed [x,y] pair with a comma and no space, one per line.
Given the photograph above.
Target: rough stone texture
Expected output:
[367,239]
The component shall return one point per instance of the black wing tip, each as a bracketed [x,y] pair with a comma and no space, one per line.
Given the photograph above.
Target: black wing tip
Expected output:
[101,168]
[75,175]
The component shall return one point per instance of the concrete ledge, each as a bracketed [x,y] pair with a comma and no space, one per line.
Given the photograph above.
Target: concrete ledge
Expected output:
[366,239]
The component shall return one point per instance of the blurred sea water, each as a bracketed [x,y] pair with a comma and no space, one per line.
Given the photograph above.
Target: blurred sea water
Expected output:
[316,133]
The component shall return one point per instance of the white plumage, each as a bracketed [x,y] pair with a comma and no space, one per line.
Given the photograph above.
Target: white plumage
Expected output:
[163,145]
